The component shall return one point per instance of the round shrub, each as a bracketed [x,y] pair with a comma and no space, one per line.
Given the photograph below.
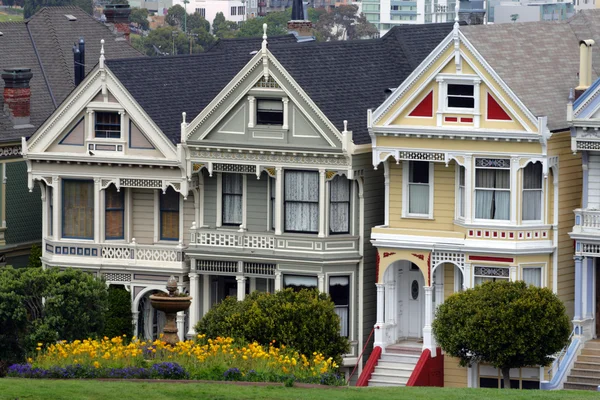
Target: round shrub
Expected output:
[304,320]
[118,315]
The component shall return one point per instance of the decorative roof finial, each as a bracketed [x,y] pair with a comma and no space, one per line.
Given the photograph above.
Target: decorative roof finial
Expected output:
[456,9]
[101,61]
[183,114]
[264,42]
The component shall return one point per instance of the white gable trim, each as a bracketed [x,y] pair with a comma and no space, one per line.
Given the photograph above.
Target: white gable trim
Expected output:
[433,57]
[77,102]
[236,84]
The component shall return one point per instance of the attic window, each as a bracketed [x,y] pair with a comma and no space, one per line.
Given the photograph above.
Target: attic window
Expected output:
[71,17]
[461,96]
[108,125]
[269,112]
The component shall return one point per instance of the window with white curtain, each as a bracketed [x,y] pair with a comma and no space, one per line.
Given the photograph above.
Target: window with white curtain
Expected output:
[461,191]
[532,192]
[232,199]
[339,290]
[492,189]
[485,274]
[299,282]
[532,276]
[301,201]
[418,187]
[339,205]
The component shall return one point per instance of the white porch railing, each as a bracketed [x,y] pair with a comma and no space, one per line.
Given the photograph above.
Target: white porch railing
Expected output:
[233,239]
[587,220]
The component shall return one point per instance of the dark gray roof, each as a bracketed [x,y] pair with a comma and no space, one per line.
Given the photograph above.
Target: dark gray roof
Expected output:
[539,61]
[243,44]
[343,78]
[52,35]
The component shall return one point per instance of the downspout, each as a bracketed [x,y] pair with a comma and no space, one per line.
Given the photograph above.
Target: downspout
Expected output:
[555,235]
[361,266]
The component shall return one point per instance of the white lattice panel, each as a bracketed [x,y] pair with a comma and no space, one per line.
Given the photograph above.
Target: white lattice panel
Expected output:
[420,156]
[220,239]
[115,277]
[456,258]
[157,255]
[588,145]
[116,253]
[141,183]
[259,242]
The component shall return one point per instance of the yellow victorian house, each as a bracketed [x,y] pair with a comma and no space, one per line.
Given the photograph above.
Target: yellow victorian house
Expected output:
[480,179]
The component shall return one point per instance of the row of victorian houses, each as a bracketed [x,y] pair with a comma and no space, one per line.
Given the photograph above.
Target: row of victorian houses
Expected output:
[425,162]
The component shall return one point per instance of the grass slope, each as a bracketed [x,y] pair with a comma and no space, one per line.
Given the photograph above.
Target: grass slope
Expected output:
[23,389]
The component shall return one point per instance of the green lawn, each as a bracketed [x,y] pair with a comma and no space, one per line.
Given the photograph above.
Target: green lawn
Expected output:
[10,17]
[22,389]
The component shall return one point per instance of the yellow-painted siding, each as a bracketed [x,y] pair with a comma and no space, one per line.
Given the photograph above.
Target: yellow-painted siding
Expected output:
[448,280]
[569,192]
[454,374]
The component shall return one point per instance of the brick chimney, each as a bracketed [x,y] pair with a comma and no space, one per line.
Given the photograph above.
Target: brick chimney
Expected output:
[117,15]
[585,66]
[299,23]
[17,96]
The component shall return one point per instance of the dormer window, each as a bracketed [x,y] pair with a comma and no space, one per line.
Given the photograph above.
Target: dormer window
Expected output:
[461,96]
[269,112]
[108,125]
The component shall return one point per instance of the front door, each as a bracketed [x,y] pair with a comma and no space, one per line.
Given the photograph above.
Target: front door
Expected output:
[415,297]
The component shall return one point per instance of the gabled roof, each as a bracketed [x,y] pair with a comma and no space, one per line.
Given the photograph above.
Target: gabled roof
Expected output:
[539,61]
[51,34]
[243,44]
[343,78]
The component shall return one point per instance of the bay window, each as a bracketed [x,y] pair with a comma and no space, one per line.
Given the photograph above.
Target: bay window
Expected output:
[301,201]
[51,210]
[419,188]
[532,276]
[114,213]
[486,274]
[339,208]
[169,215]
[532,192]
[339,290]
[232,199]
[461,191]
[78,209]
[299,282]
[272,200]
[492,189]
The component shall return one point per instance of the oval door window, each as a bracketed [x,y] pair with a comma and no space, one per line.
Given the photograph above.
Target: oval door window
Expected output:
[414,290]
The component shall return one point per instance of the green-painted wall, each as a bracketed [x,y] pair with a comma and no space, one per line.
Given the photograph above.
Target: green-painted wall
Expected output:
[23,209]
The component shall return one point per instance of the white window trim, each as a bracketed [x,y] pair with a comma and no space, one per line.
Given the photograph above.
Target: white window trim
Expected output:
[219,223]
[511,221]
[466,79]
[157,239]
[405,188]
[457,210]
[542,266]
[351,307]
[543,207]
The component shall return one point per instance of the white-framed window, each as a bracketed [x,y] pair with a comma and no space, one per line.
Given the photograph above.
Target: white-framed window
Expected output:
[532,192]
[532,275]
[269,112]
[460,95]
[78,209]
[461,199]
[272,196]
[299,282]
[107,125]
[418,178]
[339,205]
[485,274]
[339,290]
[492,188]
[301,201]
[232,191]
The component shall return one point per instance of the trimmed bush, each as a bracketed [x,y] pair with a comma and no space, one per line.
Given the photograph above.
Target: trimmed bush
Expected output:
[118,316]
[305,320]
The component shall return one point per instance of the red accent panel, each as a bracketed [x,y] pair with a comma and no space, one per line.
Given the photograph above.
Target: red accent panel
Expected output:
[429,370]
[451,119]
[466,120]
[386,254]
[494,259]
[424,108]
[365,375]
[495,110]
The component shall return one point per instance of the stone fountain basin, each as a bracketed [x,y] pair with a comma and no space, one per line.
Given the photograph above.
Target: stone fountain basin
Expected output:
[168,304]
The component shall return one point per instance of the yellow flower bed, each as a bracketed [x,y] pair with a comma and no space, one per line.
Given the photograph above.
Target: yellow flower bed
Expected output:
[201,358]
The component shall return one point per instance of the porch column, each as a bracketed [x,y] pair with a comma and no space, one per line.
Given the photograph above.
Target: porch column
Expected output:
[467,277]
[205,294]
[386,198]
[181,325]
[390,300]
[278,284]
[439,284]
[321,280]
[134,320]
[589,311]
[428,341]
[578,287]
[194,292]
[241,287]
[278,202]
[322,210]
[379,324]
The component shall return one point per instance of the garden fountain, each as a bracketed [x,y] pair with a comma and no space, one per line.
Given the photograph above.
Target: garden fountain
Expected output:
[171,303]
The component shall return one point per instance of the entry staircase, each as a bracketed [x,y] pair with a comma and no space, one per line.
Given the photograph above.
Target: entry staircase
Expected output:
[585,374]
[397,364]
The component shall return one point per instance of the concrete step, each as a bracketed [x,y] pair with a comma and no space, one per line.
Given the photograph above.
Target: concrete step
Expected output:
[389,364]
[580,386]
[404,350]
[384,383]
[400,380]
[586,365]
[400,358]
[586,372]
[583,379]
[393,371]
[588,358]
[592,344]
[590,352]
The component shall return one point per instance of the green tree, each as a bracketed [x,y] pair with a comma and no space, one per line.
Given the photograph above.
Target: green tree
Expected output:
[314,14]
[304,320]
[196,21]
[140,16]
[343,23]
[218,20]
[506,324]
[224,29]
[118,315]
[175,16]
[276,25]
[167,40]
[32,6]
